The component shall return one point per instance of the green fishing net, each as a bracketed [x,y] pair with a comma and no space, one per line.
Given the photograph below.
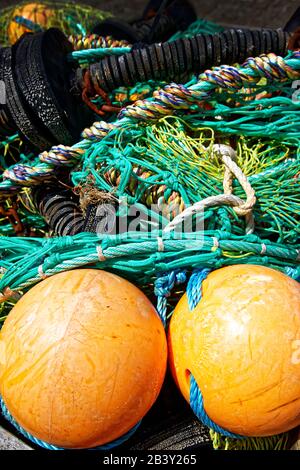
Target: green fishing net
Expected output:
[70,17]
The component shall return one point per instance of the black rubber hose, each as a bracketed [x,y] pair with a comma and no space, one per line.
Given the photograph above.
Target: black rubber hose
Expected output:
[60,210]
[6,123]
[174,60]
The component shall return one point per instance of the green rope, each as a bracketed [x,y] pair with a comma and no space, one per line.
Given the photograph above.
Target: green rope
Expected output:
[278,442]
[91,55]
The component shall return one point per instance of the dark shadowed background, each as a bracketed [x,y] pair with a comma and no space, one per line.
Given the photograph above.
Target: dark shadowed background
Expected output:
[231,12]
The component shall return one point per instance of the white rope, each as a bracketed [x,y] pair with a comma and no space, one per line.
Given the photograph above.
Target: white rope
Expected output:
[263,249]
[242,208]
[160,244]
[41,272]
[100,254]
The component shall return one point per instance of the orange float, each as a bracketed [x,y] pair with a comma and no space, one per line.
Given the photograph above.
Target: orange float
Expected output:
[35,12]
[82,358]
[242,345]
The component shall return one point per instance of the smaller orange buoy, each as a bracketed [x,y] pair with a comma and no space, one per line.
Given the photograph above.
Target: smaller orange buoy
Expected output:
[241,343]
[82,358]
[36,13]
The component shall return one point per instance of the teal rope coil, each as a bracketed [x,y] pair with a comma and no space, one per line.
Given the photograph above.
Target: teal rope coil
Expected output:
[47,446]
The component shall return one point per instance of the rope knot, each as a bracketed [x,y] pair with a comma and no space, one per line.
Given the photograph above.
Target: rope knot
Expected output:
[163,286]
[52,261]
[170,180]
[65,242]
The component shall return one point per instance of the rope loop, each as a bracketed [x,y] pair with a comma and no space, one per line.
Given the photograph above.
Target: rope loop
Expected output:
[229,157]
[242,208]
[163,287]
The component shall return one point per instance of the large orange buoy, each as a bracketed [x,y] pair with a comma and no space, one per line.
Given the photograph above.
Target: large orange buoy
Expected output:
[82,358]
[242,345]
[35,12]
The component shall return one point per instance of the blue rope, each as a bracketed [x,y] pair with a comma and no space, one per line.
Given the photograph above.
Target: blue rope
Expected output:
[196,402]
[163,287]
[294,273]
[194,287]
[27,23]
[45,445]
[194,295]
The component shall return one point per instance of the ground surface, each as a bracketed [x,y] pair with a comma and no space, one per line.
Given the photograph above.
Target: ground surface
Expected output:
[273,13]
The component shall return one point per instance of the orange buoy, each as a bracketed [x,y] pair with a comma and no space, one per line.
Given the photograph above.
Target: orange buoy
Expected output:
[242,345]
[82,358]
[35,12]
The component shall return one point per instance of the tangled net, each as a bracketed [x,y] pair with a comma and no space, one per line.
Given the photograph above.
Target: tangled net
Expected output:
[220,152]
[71,18]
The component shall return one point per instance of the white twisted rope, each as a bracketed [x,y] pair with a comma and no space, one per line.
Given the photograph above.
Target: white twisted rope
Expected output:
[241,207]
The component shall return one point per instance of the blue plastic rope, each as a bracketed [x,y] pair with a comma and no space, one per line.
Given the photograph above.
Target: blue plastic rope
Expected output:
[163,287]
[194,295]
[194,287]
[196,402]
[294,273]
[27,23]
[45,445]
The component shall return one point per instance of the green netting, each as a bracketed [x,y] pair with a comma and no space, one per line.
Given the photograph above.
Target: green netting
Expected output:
[279,442]
[75,19]
[71,18]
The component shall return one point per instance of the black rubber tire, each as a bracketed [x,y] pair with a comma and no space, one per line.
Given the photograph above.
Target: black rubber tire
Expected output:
[17,107]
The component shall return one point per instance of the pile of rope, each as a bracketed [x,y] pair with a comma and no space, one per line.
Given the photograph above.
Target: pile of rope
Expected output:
[218,154]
